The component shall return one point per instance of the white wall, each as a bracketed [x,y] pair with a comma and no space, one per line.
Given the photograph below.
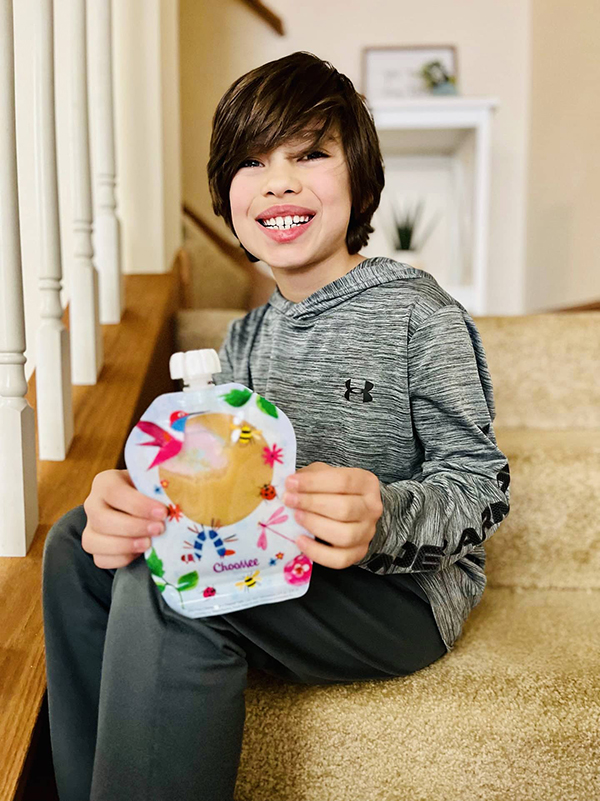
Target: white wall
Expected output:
[146,95]
[563,257]
[148,134]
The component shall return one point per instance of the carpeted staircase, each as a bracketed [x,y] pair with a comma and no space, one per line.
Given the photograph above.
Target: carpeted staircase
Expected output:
[513,712]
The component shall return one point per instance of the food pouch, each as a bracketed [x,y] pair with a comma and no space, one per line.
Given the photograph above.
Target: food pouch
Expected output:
[218,458]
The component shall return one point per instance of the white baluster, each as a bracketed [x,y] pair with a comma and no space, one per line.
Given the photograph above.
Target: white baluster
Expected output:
[19,515]
[107,233]
[84,312]
[53,364]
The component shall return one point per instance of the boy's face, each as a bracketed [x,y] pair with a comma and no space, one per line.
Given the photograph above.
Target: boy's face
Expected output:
[317,181]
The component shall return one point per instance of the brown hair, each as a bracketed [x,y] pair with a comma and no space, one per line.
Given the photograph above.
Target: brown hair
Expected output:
[297,97]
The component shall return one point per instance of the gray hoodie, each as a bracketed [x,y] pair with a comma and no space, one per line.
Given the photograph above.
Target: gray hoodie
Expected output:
[382,369]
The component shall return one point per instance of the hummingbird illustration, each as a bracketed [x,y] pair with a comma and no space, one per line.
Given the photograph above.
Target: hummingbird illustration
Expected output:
[168,446]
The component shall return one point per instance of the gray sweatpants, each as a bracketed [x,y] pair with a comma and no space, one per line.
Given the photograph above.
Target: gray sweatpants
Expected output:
[143,703]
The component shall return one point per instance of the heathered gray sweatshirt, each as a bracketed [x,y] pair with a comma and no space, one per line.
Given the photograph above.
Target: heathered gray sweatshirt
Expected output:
[382,369]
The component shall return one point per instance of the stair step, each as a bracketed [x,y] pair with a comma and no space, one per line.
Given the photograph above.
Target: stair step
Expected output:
[516,704]
[545,368]
[551,538]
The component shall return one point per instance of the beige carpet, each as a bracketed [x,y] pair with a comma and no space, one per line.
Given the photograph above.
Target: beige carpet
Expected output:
[513,712]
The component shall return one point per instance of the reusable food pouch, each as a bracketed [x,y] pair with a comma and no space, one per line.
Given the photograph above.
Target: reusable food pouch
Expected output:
[218,458]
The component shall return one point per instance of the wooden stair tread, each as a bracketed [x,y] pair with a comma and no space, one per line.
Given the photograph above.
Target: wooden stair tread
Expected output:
[135,370]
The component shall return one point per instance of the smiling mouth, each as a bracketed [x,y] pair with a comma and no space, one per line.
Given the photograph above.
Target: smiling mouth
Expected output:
[285,227]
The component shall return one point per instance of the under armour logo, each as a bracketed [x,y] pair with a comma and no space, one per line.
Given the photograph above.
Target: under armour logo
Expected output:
[365,391]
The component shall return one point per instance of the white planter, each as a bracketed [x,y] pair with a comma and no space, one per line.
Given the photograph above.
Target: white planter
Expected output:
[412,257]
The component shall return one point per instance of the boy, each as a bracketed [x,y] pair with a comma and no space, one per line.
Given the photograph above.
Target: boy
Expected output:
[400,479]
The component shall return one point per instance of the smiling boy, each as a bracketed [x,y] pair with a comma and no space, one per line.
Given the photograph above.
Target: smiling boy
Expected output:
[382,372]
[304,243]
[384,378]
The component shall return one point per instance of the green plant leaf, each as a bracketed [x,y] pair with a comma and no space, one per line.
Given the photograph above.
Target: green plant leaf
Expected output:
[237,397]
[187,582]
[161,587]
[266,406]
[155,565]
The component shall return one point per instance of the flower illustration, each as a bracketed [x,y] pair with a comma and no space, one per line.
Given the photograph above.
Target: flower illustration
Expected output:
[174,512]
[298,570]
[272,455]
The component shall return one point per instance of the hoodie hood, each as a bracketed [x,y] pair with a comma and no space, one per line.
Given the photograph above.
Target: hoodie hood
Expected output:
[370,272]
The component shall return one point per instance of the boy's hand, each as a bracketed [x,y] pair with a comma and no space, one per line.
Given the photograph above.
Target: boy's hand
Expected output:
[338,504]
[118,516]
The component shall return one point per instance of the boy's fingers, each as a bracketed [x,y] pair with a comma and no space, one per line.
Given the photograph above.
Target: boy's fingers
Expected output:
[333,532]
[342,480]
[123,496]
[108,521]
[113,545]
[109,562]
[335,558]
[346,508]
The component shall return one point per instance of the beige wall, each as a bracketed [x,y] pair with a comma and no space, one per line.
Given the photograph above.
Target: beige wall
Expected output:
[222,39]
[219,40]
[563,248]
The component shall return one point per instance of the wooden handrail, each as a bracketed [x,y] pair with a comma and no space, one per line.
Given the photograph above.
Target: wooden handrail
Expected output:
[586,307]
[265,13]
[135,371]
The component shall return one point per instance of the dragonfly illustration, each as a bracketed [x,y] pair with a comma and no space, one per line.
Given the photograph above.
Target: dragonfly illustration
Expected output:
[275,518]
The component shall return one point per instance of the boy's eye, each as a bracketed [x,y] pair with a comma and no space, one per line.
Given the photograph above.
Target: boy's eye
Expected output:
[316,153]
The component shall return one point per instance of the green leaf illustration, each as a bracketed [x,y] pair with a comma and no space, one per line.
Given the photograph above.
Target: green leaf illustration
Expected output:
[266,406]
[161,587]
[155,564]
[237,397]
[187,582]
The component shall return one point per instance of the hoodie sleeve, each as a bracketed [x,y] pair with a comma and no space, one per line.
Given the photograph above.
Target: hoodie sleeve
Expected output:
[461,494]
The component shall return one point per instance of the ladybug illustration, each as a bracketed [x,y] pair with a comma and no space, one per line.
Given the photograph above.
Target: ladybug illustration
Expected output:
[267,491]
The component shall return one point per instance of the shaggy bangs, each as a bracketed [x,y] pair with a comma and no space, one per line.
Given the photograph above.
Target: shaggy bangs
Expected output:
[298,99]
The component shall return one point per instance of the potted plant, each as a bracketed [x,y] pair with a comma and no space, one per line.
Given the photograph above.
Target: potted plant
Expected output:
[438,80]
[407,250]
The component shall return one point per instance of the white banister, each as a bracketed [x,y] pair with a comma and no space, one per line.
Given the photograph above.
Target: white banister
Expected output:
[84,312]
[53,363]
[19,516]
[107,232]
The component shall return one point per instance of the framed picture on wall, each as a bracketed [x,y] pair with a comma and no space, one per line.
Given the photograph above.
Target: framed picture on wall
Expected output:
[396,73]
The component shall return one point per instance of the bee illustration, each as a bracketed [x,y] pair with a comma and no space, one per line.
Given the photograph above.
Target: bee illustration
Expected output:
[267,491]
[244,433]
[200,539]
[249,581]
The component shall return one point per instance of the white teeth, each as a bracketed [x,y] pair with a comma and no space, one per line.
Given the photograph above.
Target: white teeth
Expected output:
[283,223]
